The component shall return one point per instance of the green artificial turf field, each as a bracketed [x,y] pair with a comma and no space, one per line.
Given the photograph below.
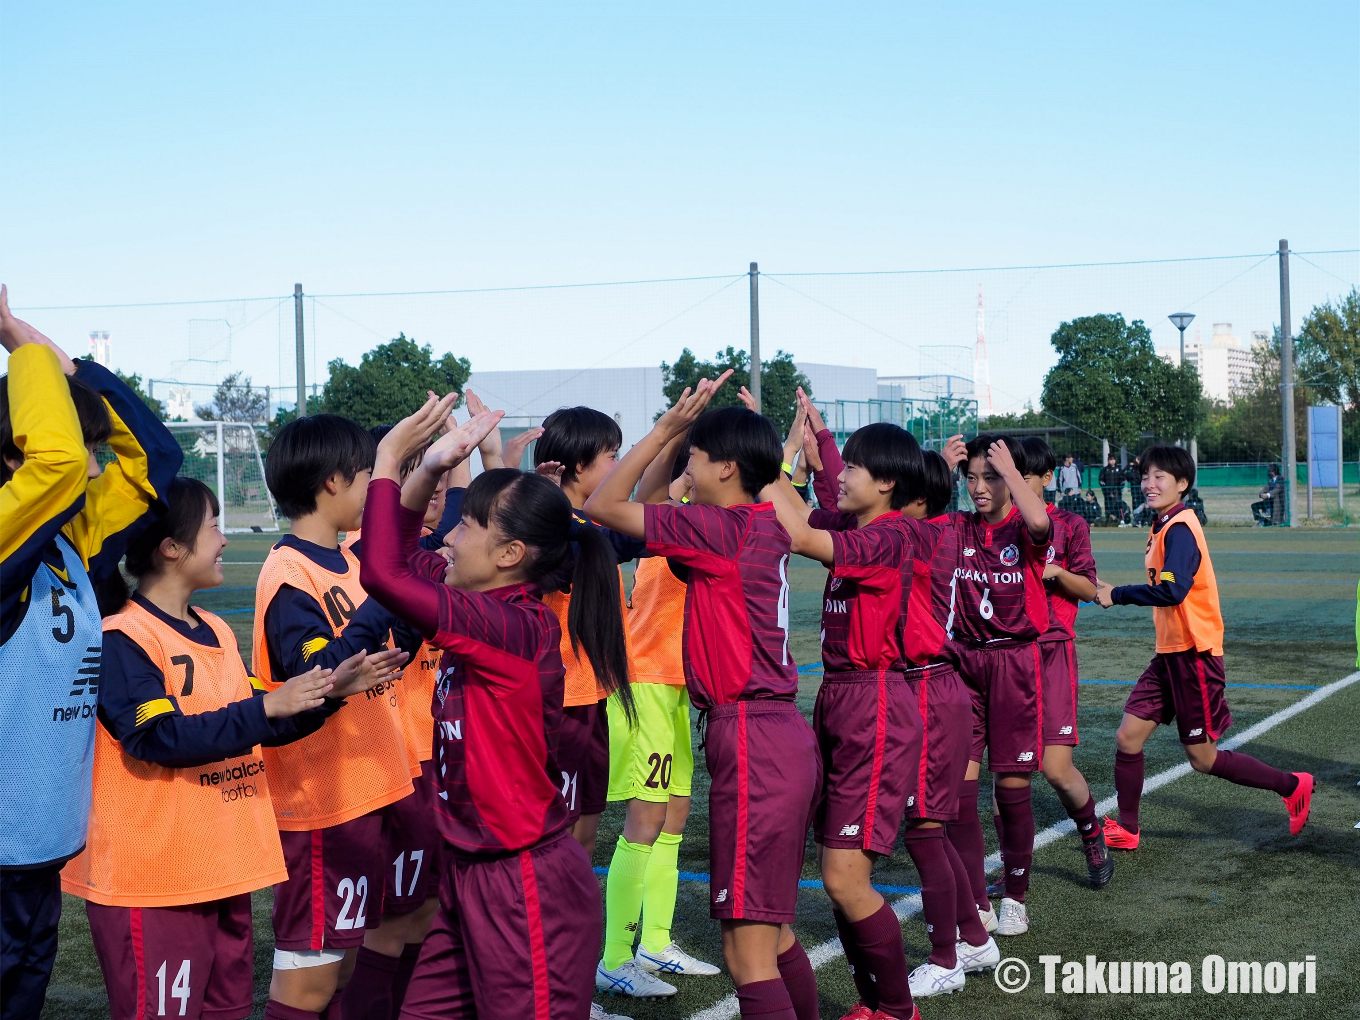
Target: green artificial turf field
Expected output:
[1218,872]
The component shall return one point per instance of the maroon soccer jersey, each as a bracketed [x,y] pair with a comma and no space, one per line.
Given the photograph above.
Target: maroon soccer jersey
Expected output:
[736,636]
[999,581]
[944,582]
[1069,546]
[876,609]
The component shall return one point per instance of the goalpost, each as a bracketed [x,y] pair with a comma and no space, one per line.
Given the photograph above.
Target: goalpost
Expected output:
[225,455]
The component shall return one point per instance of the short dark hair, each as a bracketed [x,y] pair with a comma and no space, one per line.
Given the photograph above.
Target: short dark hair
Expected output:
[1039,459]
[573,436]
[982,442]
[743,437]
[939,483]
[93,414]
[307,451]
[1174,460]
[890,454]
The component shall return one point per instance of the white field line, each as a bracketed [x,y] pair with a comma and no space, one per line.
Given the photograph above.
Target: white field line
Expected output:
[907,906]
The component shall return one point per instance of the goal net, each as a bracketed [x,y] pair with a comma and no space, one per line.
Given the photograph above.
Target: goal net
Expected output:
[225,455]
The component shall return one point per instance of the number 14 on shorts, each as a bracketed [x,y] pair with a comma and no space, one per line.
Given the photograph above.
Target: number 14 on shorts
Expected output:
[178,990]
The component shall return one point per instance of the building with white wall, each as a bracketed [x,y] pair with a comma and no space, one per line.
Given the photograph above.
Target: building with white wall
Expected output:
[1224,363]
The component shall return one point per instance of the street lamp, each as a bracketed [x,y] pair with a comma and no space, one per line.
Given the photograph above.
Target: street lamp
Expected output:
[1180,320]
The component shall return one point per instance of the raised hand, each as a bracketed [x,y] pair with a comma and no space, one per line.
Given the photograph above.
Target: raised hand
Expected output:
[15,332]
[411,434]
[955,452]
[552,471]
[490,446]
[680,488]
[456,445]
[687,409]
[300,694]
[363,671]
[1000,456]
[516,445]
[812,454]
[794,442]
[744,395]
[814,416]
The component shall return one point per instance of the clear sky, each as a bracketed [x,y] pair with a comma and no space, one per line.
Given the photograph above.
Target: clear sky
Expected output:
[159,152]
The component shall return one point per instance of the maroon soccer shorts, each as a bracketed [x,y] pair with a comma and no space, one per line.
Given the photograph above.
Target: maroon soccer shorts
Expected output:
[192,961]
[869,733]
[765,774]
[946,712]
[1187,685]
[1006,687]
[515,936]
[334,887]
[413,844]
[1059,662]
[583,758]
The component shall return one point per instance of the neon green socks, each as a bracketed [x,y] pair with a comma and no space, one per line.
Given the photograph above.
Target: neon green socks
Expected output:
[658,892]
[623,893]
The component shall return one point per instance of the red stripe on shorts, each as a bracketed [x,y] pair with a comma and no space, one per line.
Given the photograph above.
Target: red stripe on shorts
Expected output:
[880,735]
[1204,697]
[139,959]
[743,792]
[538,950]
[925,745]
[318,893]
[1039,696]
[1072,672]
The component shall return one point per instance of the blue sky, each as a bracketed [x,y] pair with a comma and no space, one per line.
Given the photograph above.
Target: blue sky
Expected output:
[158,152]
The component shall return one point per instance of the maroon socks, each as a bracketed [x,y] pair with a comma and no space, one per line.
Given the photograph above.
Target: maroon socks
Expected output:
[1088,828]
[971,928]
[769,999]
[1017,834]
[1244,770]
[278,1011]
[406,966]
[796,970]
[938,904]
[880,940]
[966,835]
[856,961]
[1128,787]
[368,995]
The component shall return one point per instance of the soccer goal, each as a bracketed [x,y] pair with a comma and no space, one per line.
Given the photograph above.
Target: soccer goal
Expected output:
[225,455]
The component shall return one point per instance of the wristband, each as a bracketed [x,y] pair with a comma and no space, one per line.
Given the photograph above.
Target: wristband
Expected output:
[788,468]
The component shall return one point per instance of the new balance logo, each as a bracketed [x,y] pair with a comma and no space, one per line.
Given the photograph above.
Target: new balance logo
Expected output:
[1017,872]
[1066,731]
[1198,731]
[911,801]
[632,926]
[849,830]
[969,552]
[721,897]
[1025,756]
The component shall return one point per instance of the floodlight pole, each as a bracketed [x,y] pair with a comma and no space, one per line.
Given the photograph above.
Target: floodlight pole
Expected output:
[755,335]
[301,352]
[1287,387]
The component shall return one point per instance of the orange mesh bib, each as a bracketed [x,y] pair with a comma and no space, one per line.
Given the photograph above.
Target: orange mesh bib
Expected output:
[656,624]
[359,761]
[162,837]
[581,686]
[1197,622]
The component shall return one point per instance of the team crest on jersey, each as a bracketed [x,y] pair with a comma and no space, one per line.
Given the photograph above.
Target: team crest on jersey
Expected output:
[1010,555]
[1048,557]
[835,583]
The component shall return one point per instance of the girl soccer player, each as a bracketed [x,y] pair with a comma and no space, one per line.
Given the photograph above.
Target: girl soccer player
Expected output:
[182,828]
[519,923]
[65,526]
[1185,680]
[761,753]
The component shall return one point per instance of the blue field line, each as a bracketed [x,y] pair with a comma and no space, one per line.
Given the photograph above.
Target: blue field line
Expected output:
[806,883]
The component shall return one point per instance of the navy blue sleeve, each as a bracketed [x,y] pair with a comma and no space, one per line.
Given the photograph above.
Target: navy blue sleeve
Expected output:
[625,547]
[299,636]
[453,513]
[407,638]
[1178,574]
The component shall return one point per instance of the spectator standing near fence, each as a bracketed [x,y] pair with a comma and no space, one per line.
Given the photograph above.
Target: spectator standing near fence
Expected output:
[1111,479]
[1069,475]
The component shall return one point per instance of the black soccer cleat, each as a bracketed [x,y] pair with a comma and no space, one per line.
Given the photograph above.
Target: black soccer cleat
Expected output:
[1099,861]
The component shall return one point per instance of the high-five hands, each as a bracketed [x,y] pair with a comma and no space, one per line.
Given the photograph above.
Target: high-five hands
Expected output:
[691,404]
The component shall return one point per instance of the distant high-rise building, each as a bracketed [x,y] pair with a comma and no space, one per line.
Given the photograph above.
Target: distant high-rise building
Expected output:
[982,375]
[99,346]
[1224,363]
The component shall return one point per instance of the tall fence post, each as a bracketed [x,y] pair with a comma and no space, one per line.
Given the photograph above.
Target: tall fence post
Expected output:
[301,352]
[1287,388]
[755,334]
[221,479]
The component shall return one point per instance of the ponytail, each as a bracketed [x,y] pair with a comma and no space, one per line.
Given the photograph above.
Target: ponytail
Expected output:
[532,510]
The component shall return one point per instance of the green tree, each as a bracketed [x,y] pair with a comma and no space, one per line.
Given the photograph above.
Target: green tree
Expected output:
[134,383]
[1110,382]
[779,382]
[1327,351]
[391,382]
[236,400]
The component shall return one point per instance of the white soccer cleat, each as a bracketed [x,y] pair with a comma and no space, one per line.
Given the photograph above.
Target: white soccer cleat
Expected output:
[975,958]
[988,918]
[673,960]
[932,979]
[1014,920]
[597,1012]
[630,979]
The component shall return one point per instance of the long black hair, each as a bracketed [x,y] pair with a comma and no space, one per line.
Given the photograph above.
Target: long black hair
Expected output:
[189,501]
[95,424]
[532,509]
